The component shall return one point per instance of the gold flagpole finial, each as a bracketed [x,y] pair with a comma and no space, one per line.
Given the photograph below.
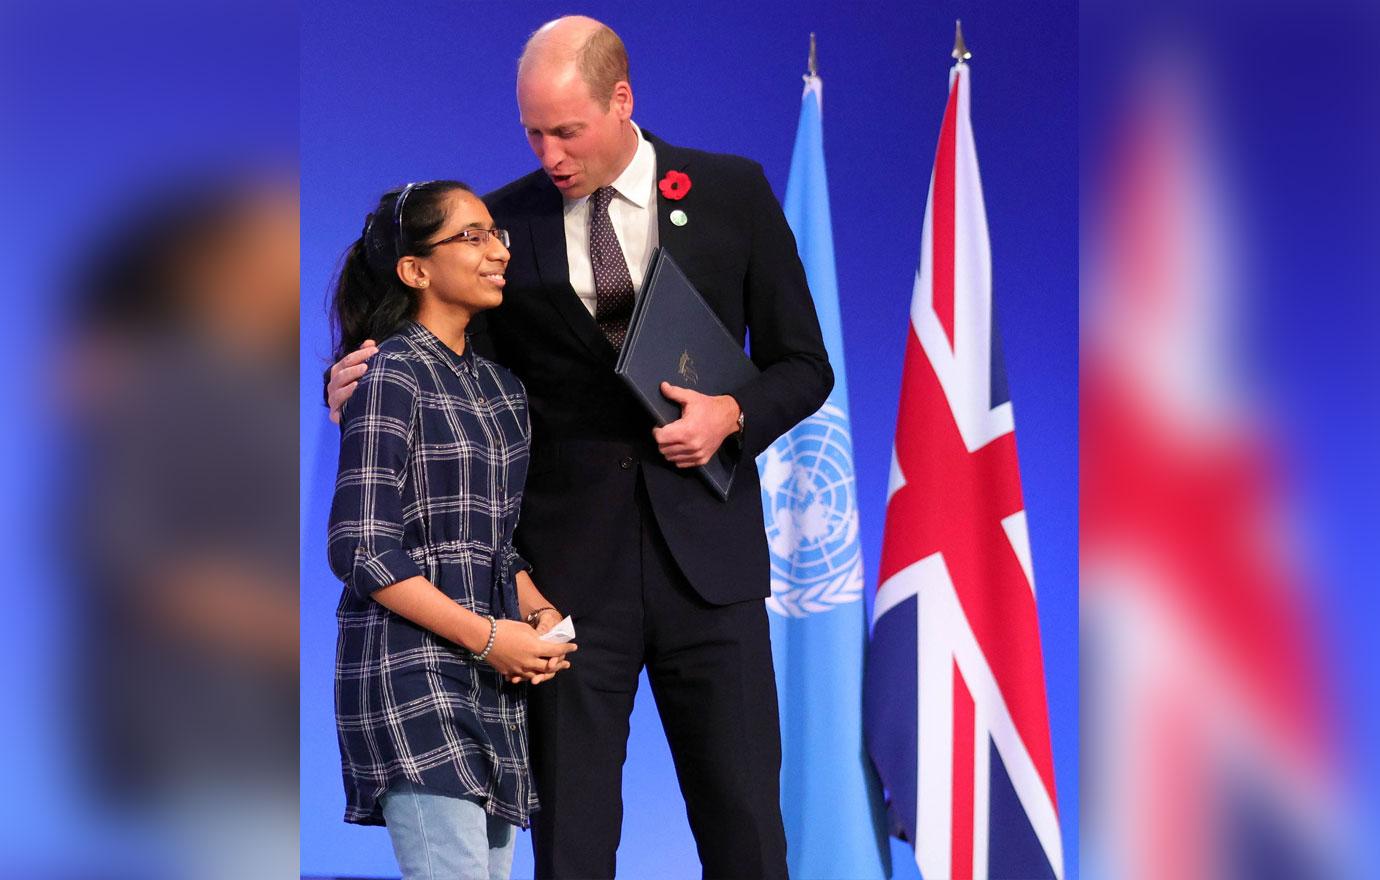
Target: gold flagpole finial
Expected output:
[960,53]
[813,64]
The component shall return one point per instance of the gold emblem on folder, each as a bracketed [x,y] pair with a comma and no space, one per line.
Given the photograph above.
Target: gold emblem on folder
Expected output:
[686,369]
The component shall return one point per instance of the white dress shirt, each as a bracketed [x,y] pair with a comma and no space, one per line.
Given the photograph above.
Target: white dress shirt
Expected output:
[633,212]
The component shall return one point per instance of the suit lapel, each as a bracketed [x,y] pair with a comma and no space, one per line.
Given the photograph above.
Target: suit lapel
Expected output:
[553,265]
[548,244]
[670,236]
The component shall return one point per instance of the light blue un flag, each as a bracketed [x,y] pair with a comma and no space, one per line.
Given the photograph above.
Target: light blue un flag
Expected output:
[829,798]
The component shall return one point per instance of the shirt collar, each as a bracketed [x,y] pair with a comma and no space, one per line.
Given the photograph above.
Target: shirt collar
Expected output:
[635,183]
[431,342]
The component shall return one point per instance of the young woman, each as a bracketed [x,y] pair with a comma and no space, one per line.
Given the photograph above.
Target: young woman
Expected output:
[439,620]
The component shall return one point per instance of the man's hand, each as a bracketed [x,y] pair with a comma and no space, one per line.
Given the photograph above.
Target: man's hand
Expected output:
[704,422]
[345,375]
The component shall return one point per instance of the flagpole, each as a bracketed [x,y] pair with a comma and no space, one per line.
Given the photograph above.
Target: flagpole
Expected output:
[960,52]
[812,81]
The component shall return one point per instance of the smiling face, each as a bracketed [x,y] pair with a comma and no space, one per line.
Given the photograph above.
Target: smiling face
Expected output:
[458,272]
[581,143]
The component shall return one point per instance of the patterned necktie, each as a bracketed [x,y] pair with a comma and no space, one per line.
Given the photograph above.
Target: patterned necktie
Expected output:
[613,287]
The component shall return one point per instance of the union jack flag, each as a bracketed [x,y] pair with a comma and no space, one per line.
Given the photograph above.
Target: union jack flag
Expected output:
[956,716]
[1209,747]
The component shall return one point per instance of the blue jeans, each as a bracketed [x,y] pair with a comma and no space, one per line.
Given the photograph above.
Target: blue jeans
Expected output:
[443,837]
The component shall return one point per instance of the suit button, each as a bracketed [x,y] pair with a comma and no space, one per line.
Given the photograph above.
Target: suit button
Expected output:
[626,464]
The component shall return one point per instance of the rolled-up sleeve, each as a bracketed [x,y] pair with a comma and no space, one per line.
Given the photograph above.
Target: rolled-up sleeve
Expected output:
[365,542]
[515,561]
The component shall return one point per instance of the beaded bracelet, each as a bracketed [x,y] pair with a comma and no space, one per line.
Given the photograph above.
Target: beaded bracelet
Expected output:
[493,633]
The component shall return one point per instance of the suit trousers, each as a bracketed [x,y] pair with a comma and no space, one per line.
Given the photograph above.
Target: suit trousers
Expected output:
[710,669]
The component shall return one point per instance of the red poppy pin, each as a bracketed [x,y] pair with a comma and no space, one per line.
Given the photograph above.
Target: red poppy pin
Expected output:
[674,185]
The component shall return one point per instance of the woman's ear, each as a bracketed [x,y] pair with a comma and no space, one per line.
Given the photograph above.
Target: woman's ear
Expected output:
[411,272]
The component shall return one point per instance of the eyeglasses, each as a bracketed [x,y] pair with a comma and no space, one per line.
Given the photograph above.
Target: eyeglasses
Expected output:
[476,237]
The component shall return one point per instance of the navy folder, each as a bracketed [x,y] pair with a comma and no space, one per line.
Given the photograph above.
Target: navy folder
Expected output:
[674,336]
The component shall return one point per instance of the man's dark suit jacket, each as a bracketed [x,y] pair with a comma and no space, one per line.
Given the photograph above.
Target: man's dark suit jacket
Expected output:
[591,438]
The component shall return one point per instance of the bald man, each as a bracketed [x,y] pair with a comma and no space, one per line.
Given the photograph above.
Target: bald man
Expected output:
[656,569]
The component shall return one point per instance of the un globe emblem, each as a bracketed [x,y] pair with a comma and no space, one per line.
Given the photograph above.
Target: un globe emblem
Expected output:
[809,501]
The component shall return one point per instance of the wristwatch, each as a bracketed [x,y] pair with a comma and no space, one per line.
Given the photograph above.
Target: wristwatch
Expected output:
[742,422]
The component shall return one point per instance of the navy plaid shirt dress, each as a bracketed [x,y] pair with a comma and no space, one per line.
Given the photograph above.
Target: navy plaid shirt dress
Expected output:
[433,455]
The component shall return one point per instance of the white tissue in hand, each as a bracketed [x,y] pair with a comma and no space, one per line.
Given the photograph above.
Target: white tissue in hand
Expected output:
[560,633]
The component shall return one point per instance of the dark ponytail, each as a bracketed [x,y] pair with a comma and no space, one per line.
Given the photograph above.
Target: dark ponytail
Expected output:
[370,301]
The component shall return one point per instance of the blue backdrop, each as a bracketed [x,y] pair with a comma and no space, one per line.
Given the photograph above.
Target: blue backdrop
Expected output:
[390,96]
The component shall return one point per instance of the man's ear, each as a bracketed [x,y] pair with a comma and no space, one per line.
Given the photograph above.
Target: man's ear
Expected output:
[622,99]
[411,272]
